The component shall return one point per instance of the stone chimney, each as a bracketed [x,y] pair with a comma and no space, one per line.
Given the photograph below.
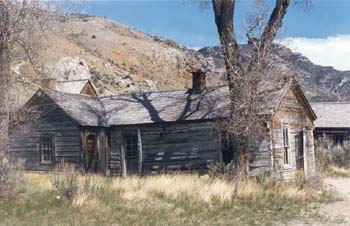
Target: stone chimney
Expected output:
[198,81]
[49,83]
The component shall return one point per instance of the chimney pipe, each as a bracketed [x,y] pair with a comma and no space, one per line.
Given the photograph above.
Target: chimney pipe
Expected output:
[198,81]
[49,83]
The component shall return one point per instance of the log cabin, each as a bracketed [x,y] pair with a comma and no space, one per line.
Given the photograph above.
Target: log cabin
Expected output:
[152,132]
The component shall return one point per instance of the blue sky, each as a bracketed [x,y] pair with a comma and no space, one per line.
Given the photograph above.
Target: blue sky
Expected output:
[324,25]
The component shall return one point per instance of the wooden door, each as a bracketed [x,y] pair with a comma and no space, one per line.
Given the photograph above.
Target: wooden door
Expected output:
[299,146]
[92,155]
[131,154]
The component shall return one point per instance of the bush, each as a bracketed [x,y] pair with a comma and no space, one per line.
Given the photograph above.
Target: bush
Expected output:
[328,153]
[11,178]
[223,171]
[65,180]
[265,180]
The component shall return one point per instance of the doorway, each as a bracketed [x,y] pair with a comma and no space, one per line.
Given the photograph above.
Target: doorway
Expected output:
[91,154]
[228,149]
[299,145]
[131,148]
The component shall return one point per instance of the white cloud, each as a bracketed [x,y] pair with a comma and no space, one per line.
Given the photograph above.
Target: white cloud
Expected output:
[331,51]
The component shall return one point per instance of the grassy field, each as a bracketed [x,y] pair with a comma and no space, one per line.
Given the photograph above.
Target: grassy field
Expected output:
[159,200]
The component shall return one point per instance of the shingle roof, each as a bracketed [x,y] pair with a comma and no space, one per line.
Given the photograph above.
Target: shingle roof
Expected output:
[164,106]
[150,107]
[86,110]
[332,114]
[74,87]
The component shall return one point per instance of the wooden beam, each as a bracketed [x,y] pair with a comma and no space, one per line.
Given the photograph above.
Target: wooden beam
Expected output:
[108,152]
[83,149]
[123,161]
[139,143]
[102,150]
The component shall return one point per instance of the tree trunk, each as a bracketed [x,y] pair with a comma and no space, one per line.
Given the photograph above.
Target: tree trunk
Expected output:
[224,11]
[4,80]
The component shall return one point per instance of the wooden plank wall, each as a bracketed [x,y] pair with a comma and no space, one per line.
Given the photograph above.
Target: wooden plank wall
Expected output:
[292,114]
[170,147]
[45,118]
[259,154]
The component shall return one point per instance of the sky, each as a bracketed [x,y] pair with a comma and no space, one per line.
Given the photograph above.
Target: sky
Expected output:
[321,32]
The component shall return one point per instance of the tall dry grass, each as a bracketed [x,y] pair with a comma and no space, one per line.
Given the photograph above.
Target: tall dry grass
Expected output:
[199,188]
[176,199]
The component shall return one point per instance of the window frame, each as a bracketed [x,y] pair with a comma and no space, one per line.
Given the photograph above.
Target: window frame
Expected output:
[286,145]
[133,144]
[49,146]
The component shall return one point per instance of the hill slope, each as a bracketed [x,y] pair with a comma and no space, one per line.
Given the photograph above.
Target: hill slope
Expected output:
[121,59]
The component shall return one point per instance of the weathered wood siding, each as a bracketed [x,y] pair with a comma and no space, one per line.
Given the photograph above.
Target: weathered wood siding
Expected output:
[43,118]
[259,154]
[292,114]
[169,147]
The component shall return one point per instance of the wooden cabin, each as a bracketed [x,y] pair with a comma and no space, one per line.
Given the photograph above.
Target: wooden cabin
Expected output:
[332,121]
[158,132]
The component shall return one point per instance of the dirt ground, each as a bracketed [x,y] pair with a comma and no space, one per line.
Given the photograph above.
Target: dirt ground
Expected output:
[337,213]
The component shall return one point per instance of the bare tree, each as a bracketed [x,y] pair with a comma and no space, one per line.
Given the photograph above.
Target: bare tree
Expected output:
[248,81]
[21,23]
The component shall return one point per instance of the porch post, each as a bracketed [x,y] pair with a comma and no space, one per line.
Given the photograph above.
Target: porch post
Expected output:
[123,161]
[83,150]
[139,143]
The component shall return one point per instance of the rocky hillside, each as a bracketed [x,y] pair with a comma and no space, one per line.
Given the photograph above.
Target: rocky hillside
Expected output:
[319,83]
[117,58]
[121,59]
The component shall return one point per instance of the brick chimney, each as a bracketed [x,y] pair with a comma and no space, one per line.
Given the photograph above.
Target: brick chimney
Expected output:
[49,83]
[198,81]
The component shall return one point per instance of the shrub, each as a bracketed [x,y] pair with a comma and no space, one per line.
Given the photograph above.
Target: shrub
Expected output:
[11,177]
[265,180]
[328,153]
[223,171]
[323,155]
[65,180]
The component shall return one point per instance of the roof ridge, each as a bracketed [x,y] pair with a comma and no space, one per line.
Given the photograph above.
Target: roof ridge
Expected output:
[158,91]
[72,94]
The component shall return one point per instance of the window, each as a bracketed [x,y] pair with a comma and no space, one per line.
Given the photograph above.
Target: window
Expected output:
[131,146]
[47,148]
[286,146]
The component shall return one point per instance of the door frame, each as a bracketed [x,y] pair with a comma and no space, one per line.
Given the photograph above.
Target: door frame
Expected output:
[134,132]
[101,147]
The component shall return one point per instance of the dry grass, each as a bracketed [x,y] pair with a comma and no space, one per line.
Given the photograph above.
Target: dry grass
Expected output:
[180,199]
[335,171]
[200,188]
